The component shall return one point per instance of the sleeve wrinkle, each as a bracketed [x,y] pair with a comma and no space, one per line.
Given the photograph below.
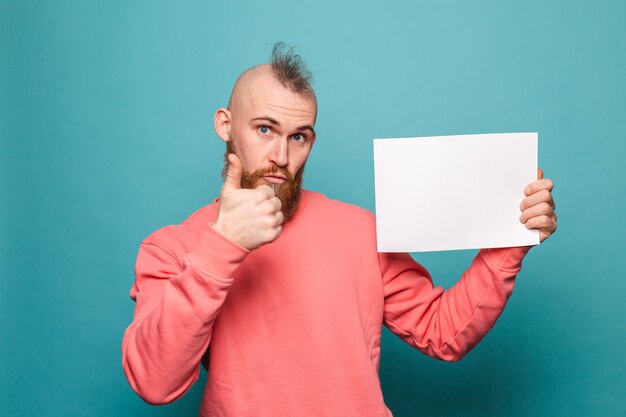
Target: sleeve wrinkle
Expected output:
[436,316]
[171,254]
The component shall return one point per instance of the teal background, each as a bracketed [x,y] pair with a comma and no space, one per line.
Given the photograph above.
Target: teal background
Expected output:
[106,128]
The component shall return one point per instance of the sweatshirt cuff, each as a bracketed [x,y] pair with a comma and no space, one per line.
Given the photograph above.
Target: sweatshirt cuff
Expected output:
[216,255]
[505,258]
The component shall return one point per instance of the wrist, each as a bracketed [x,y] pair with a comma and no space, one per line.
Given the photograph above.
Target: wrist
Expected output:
[215,254]
[506,258]
[227,234]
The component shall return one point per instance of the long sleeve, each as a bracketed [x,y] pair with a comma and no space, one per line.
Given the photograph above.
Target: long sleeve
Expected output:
[178,297]
[447,324]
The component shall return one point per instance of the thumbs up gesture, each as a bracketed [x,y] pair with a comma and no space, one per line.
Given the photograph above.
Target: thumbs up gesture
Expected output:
[247,217]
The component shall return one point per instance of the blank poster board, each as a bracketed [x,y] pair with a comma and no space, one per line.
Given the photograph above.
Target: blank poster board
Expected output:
[453,192]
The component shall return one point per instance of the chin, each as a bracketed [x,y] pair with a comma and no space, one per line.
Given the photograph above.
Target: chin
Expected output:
[260,182]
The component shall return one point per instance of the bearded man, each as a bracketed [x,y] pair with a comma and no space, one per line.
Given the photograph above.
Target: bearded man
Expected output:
[280,293]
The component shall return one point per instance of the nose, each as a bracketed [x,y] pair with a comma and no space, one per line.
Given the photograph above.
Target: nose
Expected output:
[279,153]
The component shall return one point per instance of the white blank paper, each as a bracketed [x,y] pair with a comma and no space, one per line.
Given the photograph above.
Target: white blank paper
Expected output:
[453,192]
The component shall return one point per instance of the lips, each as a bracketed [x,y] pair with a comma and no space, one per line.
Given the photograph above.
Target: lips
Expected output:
[278,179]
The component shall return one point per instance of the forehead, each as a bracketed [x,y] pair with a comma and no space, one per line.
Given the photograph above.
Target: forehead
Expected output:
[268,97]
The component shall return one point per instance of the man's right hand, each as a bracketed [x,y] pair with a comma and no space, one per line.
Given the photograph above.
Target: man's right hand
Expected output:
[249,218]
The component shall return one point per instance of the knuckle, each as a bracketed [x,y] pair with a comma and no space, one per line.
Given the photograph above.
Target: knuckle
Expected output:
[268,207]
[262,192]
[524,204]
[273,222]
[546,208]
[551,202]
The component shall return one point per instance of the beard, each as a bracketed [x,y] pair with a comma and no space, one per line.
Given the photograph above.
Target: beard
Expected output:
[288,192]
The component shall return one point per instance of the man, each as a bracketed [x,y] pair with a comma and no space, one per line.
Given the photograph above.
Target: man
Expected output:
[280,292]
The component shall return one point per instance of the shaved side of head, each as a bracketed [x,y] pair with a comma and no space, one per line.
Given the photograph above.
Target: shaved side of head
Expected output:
[244,84]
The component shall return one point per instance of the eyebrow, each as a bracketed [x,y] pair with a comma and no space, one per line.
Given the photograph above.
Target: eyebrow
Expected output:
[277,123]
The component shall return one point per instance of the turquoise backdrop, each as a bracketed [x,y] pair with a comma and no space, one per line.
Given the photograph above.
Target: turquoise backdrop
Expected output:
[106,126]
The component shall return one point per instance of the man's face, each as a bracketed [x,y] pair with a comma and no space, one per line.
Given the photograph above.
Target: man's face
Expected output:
[272,133]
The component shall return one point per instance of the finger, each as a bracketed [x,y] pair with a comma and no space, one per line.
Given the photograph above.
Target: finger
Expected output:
[539,173]
[280,218]
[537,210]
[542,196]
[233,176]
[542,222]
[542,184]
[277,203]
[273,233]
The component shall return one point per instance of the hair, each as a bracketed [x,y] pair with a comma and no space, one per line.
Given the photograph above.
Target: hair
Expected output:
[290,70]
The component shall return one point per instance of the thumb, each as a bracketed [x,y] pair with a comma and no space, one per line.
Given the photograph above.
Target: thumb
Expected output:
[233,176]
[539,173]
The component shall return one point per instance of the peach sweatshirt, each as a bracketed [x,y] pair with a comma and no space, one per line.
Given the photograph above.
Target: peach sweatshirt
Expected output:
[293,328]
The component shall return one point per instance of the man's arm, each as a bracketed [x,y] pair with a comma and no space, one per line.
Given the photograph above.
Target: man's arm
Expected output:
[176,306]
[178,299]
[447,324]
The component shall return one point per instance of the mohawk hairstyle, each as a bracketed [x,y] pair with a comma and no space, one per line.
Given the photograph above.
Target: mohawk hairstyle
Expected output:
[290,69]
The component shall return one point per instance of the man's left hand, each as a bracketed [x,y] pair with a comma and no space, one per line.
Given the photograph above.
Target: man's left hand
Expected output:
[538,207]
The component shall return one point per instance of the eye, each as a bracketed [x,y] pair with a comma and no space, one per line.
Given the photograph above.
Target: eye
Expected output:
[298,137]
[264,130]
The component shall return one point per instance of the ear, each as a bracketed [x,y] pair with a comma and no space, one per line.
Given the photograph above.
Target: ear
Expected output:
[222,122]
